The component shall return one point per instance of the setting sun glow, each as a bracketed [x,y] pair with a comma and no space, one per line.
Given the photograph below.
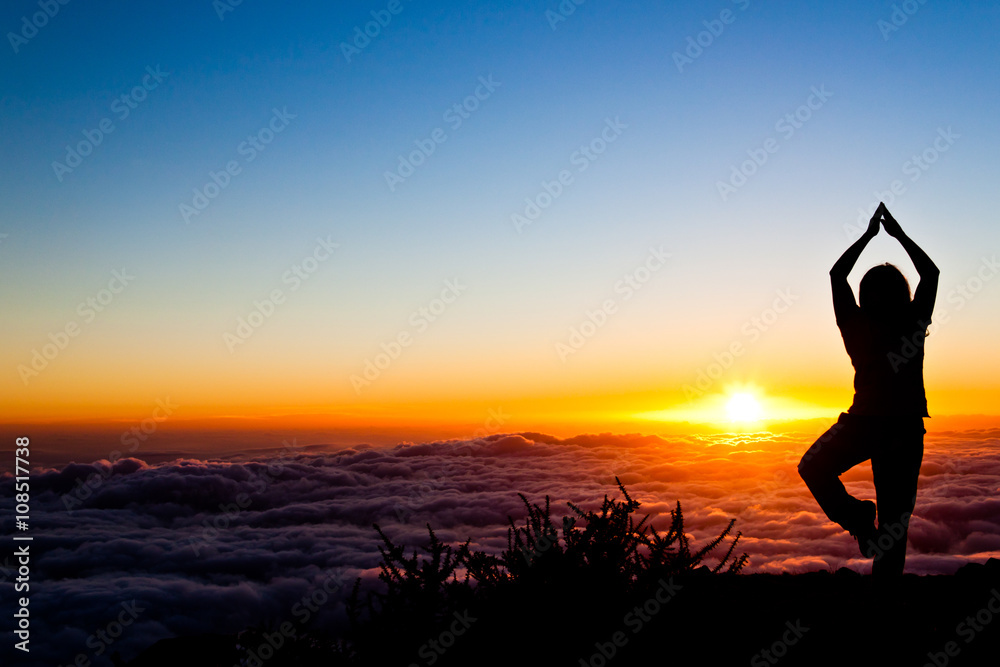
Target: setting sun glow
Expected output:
[743,407]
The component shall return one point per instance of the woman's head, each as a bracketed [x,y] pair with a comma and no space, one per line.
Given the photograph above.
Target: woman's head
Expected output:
[884,292]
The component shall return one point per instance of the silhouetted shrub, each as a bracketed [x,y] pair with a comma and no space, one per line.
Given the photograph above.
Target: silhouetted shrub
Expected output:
[548,582]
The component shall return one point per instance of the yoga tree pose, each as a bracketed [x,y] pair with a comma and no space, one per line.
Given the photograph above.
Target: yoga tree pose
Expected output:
[884,336]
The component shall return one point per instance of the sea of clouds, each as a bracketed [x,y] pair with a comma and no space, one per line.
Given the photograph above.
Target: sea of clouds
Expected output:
[189,546]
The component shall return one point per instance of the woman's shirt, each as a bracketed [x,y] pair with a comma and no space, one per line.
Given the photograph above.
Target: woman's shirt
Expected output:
[888,363]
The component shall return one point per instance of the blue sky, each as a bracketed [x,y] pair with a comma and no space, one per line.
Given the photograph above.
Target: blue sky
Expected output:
[324,174]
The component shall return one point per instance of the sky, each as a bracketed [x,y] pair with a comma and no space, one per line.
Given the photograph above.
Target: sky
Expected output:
[568,212]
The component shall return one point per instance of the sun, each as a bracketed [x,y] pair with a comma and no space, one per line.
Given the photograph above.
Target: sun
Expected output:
[743,407]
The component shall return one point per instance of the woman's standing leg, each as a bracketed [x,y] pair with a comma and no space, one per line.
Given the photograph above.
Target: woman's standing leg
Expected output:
[896,468]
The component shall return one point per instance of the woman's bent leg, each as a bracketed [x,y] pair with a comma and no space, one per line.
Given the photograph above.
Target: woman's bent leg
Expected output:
[846,444]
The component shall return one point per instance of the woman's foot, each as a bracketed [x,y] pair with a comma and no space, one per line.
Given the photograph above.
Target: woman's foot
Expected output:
[865,532]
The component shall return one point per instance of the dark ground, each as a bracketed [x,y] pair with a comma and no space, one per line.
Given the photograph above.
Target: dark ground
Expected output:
[749,619]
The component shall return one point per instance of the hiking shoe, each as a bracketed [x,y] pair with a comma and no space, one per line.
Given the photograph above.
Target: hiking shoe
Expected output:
[865,533]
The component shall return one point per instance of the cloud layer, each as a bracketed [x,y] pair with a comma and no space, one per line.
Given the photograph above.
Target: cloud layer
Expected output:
[129,553]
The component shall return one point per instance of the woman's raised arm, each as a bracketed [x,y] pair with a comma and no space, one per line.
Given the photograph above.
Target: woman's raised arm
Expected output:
[843,297]
[925,267]
[926,292]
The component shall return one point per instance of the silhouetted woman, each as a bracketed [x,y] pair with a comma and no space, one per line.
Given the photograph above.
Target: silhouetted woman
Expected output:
[884,337]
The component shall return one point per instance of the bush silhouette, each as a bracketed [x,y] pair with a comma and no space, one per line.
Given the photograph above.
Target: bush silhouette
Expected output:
[456,605]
